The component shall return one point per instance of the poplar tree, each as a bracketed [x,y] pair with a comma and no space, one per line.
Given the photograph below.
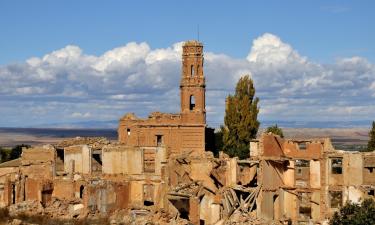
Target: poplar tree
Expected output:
[240,121]
[371,142]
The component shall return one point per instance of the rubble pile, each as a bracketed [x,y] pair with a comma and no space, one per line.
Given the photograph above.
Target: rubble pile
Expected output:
[208,182]
[93,142]
[146,217]
[27,208]
[59,209]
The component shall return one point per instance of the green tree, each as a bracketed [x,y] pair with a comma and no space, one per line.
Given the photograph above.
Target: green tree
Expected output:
[2,154]
[219,140]
[355,214]
[275,130]
[17,151]
[371,142]
[240,121]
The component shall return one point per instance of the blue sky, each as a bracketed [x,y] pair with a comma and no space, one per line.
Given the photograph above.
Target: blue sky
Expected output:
[324,54]
[322,30]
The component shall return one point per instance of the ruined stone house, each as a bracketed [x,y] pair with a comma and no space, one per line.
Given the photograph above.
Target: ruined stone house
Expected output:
[159,166]
[180,132]
[308,180]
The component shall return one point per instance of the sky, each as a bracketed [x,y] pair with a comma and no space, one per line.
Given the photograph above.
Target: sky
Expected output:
[63,62]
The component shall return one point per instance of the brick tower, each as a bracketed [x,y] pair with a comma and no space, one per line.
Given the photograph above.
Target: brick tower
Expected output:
[179,132]
[192,86]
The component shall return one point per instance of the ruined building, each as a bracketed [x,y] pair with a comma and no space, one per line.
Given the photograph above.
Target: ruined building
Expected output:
[159,172]
[308,180]
[180,132]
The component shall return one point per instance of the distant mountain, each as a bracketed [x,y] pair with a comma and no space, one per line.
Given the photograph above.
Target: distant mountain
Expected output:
[10,137]
[110,124]
[317,124]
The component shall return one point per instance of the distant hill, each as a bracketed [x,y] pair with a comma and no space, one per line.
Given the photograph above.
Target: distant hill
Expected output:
[109,124]
[33,136]
[318,124]
[342,138]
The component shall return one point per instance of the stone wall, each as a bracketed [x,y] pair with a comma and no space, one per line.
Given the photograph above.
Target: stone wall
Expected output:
[77,158]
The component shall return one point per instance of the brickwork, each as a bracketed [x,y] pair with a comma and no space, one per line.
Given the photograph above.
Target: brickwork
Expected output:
[178,132]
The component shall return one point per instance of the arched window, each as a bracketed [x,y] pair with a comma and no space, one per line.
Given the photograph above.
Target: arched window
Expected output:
[192,102]
[81,191]
[192,71]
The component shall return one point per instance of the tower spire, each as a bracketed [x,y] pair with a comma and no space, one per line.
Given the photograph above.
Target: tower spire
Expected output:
[198,32]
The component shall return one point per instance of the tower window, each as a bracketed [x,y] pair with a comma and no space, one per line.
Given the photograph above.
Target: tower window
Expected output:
[192,71]
[128,131]
[198,70]
[192,102]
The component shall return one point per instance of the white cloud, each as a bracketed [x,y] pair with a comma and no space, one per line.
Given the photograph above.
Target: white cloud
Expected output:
[122,58]
[269,50]
[81,115]
[169,54]
[372,88]
[137,78]
[29,90]
[117,97]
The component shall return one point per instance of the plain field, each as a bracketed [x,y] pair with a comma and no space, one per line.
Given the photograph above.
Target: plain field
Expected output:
[342,138]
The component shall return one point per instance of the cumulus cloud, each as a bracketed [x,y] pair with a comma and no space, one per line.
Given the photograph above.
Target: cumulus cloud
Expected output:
[72,85]
[269,50]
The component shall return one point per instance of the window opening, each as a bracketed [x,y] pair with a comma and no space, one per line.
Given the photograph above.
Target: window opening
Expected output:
[304,206]
[128,131]
[335,199]
[276,207]
[81,191]
[192,102]
[46,197]
[336,166]
[13,194]
[24,189]
[302,146]
[192,71]
[159,140]
[148,194]
[97,158]
[302,163]
[149,161]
